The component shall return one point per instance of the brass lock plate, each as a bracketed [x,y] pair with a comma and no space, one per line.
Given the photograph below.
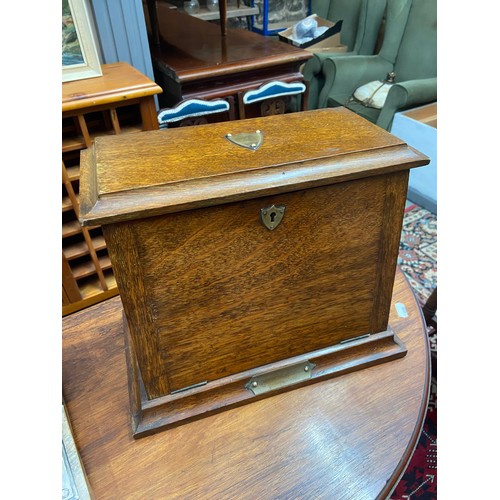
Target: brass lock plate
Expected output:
[272,381]
[272,216]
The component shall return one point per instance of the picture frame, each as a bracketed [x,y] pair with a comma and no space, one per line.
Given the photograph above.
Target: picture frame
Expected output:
[80,58]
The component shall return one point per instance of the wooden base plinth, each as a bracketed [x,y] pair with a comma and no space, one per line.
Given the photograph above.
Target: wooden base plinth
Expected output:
[150,416]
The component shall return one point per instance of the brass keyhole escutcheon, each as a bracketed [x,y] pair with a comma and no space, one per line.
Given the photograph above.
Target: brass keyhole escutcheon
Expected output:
[272,216]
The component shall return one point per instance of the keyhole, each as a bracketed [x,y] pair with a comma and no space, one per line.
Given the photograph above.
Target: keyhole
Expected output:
[271,216]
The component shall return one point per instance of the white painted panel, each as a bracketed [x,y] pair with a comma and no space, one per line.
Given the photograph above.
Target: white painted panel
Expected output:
[423,180]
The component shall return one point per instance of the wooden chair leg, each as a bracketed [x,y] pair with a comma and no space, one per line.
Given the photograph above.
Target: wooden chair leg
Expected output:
[305,98]
[241,106]
[429,310]
[430,307]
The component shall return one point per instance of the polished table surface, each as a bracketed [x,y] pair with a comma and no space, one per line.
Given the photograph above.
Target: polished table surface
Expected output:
[194,48]
[194,60]
[349,437]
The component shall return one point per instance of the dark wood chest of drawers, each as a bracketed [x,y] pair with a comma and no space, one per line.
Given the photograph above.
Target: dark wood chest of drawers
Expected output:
[246,270]
[194,61]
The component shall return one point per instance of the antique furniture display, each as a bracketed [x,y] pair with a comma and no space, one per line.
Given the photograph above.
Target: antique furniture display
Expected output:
[249,259]
[409,49]
[119,102]
[194,61]
[354,433]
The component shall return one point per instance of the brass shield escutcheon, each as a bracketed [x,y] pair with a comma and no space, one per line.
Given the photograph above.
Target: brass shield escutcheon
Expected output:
[251,140]
[272,216]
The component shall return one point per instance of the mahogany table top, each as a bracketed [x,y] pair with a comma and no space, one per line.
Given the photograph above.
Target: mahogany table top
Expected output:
[194,49]
[349,437]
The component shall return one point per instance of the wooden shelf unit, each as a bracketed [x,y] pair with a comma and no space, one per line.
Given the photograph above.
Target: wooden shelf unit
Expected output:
[235,9]
[210,15]
[120,101]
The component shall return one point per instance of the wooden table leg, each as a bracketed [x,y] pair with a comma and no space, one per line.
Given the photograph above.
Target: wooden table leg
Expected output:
[153,21]
[223,17]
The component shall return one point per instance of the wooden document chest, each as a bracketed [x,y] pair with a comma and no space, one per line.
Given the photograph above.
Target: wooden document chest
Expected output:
[252,263]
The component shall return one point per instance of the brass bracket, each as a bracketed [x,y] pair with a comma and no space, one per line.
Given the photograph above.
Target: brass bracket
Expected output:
[284,377]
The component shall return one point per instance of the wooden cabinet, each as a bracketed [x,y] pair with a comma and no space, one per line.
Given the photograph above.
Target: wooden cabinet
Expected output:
[121,101]
[249,263]
[194,61]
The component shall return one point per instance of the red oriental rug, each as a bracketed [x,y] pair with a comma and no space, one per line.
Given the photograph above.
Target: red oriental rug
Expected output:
[418,261]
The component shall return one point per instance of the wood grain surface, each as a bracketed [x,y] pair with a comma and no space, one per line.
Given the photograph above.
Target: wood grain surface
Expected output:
[193,60]
[345,438]
[121,101]
[184,154]
[209,292]
[195,50]
[166,171]
[119,82]
[222,294]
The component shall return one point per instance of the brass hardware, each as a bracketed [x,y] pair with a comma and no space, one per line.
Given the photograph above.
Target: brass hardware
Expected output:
[252,140]
[272,216]
[272,381]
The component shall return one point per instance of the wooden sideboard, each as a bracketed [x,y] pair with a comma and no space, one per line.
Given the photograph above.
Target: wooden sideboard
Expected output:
[194,60]
[120,101]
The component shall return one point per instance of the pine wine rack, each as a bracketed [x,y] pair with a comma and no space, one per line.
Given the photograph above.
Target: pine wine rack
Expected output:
[120,101]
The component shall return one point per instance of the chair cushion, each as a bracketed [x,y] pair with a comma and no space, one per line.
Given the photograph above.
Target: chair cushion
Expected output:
[373,94]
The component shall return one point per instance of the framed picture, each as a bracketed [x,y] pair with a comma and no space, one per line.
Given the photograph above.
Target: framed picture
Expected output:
[79,52]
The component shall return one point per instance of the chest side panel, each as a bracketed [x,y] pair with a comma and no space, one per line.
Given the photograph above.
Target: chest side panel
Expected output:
[227,294]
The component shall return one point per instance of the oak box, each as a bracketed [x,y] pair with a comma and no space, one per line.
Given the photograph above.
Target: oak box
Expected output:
[251,256]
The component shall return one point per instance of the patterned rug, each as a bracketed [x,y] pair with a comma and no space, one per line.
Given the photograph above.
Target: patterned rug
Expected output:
[418,261]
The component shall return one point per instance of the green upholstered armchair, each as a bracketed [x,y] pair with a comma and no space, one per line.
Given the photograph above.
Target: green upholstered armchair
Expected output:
[361,20]
[408,49]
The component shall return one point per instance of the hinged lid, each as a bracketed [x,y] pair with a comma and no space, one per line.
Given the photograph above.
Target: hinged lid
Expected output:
[129,176]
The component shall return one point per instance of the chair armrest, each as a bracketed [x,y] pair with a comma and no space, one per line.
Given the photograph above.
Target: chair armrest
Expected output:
[343,75]
[314,75]
[406,95]
[313,67]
